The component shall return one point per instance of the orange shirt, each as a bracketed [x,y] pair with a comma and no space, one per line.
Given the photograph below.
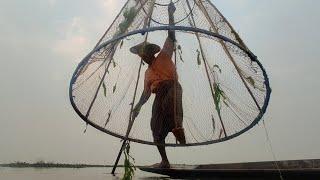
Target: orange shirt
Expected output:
[162,68]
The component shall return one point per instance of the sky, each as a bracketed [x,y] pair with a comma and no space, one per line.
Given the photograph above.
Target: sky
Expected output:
[42,41]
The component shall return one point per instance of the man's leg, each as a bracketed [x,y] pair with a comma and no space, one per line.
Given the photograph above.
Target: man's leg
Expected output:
[159,136]
[178,131]
[179,108]
[162,150]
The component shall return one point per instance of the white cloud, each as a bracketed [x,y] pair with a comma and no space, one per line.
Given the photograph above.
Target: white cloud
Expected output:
[74,40]
[71,46]
[110,6]
[52,2]
[79,34]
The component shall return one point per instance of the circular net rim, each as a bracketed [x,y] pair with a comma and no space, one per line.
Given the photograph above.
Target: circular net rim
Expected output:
[180,28]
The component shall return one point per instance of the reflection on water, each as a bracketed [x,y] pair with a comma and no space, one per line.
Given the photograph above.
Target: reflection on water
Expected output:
[69,174]
[82,174]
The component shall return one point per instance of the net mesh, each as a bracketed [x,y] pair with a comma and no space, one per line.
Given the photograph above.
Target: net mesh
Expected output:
[110,80]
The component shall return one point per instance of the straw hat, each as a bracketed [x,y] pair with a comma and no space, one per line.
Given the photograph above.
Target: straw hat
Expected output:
[145,47]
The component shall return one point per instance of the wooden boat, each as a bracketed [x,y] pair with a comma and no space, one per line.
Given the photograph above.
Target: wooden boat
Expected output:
[295,169]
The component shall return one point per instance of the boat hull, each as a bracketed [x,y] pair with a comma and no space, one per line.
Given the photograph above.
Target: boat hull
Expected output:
[307,169]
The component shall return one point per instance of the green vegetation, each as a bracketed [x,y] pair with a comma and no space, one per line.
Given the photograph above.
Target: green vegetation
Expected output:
[253,83]
[219,96]
[198,57]
[43,164]
[129,167]
[180,52]
[129,15]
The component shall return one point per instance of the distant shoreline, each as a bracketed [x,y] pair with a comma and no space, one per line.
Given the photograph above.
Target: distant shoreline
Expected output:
[42,164]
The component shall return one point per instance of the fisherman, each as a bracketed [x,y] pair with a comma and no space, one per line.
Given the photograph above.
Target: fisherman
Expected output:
[161,78]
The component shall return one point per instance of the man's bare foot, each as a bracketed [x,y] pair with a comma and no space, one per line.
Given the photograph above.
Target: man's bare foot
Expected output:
[162,165]
[179,134]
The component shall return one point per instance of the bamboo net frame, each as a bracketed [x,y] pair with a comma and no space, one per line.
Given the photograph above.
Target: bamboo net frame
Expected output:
[233,86]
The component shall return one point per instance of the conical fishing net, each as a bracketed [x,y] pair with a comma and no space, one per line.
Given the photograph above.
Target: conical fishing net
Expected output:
[225,90]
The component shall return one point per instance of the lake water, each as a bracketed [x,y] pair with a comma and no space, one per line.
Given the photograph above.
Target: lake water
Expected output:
[69,174]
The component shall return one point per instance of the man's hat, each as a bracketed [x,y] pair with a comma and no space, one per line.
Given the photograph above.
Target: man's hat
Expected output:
[145,47]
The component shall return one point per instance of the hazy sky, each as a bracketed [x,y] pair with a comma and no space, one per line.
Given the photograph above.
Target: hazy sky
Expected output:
[42,41]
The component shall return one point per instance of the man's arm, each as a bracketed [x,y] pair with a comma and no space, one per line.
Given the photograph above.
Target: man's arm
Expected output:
[171,10]
[143,99]
[168,46]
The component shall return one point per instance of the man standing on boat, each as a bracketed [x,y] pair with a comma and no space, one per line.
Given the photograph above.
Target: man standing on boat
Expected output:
[161,78]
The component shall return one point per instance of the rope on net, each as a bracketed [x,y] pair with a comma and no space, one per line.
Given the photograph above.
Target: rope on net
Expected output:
[275,161]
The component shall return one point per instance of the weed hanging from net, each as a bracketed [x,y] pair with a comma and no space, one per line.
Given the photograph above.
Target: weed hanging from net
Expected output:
[129,167]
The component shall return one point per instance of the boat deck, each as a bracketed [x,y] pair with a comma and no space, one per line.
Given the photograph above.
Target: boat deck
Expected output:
[297,169]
